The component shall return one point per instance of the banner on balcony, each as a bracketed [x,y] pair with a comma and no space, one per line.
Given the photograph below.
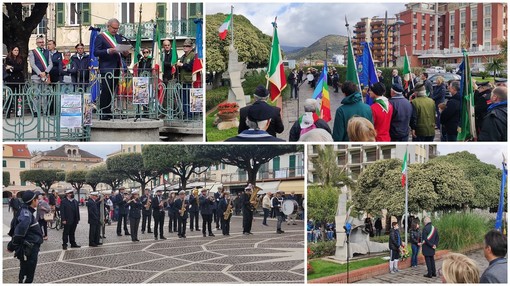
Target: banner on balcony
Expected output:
[71,111]
[87,111]
[141,90]
[196,100]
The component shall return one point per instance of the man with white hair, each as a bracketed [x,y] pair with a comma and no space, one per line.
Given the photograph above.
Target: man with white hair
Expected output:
[308,121]
[274,113]
[402,111]
[430,240]
[423,119]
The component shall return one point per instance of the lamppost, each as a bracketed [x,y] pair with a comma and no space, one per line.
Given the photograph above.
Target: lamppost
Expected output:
[386,29]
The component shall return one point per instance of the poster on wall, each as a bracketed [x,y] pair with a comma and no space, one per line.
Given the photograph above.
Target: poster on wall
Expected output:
[71,111]
[196,99]
[141,90]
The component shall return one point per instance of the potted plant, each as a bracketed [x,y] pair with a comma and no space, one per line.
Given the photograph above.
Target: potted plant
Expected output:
[228,111]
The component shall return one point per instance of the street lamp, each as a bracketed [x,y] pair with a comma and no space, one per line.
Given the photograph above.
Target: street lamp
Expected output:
[386,29]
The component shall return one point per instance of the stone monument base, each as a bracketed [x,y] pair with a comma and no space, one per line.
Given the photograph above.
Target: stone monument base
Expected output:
[125,130]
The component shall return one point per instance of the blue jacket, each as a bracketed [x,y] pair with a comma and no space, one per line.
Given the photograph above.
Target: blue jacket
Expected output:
[206,205]
[93,211]
[27,227]
[402,111]
[107,62]
[438,94]
[69,211]
[135,209]
[80,69]
[57,69]
[178,205]
[193,204]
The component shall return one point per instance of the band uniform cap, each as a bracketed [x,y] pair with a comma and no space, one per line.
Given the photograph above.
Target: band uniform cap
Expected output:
[69,191]
[203,190]
[379,71]
[121,188]
[226,192]
[261,91]
[159,191]
[94,193]
[29,196]
[135,192]
[500,80]
[182,192]
[482,83]
[397,87]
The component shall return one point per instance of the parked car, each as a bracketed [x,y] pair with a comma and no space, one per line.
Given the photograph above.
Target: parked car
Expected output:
[436,69]
[447,77]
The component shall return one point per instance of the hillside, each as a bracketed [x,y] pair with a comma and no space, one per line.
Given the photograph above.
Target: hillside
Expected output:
[335,43]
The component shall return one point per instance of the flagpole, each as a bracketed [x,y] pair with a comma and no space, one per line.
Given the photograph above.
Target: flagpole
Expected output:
[232,24]
[352,51]
[410,73]
[271,54]
[499,216]
[406,206]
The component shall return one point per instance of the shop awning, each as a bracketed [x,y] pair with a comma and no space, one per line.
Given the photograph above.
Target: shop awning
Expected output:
[268,187]
[296,186]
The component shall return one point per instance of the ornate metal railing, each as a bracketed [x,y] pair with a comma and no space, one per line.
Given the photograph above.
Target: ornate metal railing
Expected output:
[183,28]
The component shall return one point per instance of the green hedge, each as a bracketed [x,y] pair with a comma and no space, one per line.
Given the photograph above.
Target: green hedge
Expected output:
[460,230]
[215,97]
[322,248]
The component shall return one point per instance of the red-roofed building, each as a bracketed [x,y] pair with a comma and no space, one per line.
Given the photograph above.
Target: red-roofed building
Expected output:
[16,158]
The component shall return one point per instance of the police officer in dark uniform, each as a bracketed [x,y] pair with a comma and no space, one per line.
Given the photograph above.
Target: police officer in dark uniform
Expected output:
[247,210]
[93,207]
[158,212]
[222,208]
[217,214]
[206,210]
[181,207]
[15,204]
[26,237]
[482,102]
[146,213]
[135,207]
[193,212]
[121,200]
[70,215]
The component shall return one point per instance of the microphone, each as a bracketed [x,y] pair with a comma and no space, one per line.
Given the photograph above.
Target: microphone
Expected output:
[125,38]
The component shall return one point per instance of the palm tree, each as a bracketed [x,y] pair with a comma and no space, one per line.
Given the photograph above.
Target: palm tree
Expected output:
[327,169]
[494,66]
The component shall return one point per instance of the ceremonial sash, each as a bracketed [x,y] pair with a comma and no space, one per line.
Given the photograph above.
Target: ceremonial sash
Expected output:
[383,104]
[41,58]
[109,39]
[432,232]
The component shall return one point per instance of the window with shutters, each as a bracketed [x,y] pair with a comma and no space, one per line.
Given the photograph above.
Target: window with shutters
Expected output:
[127,12]
[161,18]
[4,163]
[60,7]
[22,164]
[195,10]
[276,164]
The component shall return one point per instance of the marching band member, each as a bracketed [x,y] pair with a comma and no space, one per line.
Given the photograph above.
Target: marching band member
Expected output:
[223,207]
[206,210]
[146,211]
[182,214]
[93,207]
[120,200]
[217,214]
[158,212]
[172,217]
[247,210]
[70,215]
[277,205]
[193,212]
[135,206]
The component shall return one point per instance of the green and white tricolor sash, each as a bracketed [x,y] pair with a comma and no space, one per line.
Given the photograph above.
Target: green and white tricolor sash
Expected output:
[110,39]
[431,233]
[39,54]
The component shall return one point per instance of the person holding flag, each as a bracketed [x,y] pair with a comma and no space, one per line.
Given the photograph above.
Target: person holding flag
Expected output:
[185,69]
[110,62]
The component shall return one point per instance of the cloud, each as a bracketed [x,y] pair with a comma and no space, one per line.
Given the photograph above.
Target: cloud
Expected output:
[301,24]
[487,153]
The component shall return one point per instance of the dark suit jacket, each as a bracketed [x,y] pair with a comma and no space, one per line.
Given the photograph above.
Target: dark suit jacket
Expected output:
[193,203]
[93,211]
[177,206]
[276,125]
[57,70]
[155,205]
[107,62]
[69,211]
[80,68]
[135,209]
[429,242]
[222,207]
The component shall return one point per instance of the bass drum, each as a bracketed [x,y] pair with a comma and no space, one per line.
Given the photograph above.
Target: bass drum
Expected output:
[289,207]
[309,77]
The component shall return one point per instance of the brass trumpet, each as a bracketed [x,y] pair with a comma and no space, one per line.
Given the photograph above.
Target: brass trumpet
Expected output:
[148,204]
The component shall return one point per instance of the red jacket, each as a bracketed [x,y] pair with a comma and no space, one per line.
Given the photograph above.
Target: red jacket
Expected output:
[382,121]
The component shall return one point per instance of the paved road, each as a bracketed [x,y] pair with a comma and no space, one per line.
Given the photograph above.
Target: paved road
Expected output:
[264,257]
[291,111]
[415,275]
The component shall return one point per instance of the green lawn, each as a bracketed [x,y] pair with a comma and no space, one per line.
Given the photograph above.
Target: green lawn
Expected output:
[214,134]
[324,268]
[479,78]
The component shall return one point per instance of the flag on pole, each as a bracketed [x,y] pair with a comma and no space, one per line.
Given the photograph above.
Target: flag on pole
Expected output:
[501,207]
[276,73]
[93,65]
[368,75]
[156,63]
[137,54]
[225,27]
[467,107]
[173,60]
[404,170]
[199,55]
[407,71]
[352,72]
[321,92]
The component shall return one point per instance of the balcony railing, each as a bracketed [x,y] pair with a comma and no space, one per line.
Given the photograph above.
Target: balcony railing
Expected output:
[452,51]
[284,173]
[183,28]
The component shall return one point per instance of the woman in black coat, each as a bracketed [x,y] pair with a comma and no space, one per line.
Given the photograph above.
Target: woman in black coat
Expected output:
[415,242]
[14,77]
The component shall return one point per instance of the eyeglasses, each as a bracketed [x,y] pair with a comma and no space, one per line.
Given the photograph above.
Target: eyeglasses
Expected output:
[146,52]
[39,42]
[187,46]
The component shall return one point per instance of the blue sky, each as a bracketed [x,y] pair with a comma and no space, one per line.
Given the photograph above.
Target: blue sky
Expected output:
[301,24]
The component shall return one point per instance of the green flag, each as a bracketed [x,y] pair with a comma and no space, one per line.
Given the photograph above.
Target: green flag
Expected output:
[352,72]
[138,45]
[174,55]
[467,111]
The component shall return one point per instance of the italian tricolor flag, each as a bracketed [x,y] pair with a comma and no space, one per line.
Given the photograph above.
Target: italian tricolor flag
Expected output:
[404,170]
[276,72]
[223,30]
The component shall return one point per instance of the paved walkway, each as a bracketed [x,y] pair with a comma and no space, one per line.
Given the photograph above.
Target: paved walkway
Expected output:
[291,110]
[415,275]
[264,257]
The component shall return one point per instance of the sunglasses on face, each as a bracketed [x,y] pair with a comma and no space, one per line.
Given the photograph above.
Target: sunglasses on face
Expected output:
[187,46]
[145,52]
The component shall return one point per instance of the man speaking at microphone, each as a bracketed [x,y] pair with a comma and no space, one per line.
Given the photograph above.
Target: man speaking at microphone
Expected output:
[110,61]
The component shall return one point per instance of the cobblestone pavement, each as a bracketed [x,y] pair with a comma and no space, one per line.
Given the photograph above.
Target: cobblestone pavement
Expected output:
[415,275]
[291,111]
[264,257]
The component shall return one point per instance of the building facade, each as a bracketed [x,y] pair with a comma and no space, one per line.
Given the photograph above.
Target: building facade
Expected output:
[16,158]
[373,30]
[355,158]
[66,157]
[435,33]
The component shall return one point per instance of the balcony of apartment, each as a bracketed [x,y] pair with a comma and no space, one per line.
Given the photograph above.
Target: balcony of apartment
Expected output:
[183,29]
[271,175]
[377,40]
[361,24]
[457,52]
[360,30]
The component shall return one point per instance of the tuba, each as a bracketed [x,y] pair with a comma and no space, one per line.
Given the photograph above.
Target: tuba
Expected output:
[253,199]
[195,195]
[228,212]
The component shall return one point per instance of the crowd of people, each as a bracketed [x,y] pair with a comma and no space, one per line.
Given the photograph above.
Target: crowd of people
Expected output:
[315,232]
[49,66]
[406,114]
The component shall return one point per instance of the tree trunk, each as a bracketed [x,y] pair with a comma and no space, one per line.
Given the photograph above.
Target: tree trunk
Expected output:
[252,175]
[217,79]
